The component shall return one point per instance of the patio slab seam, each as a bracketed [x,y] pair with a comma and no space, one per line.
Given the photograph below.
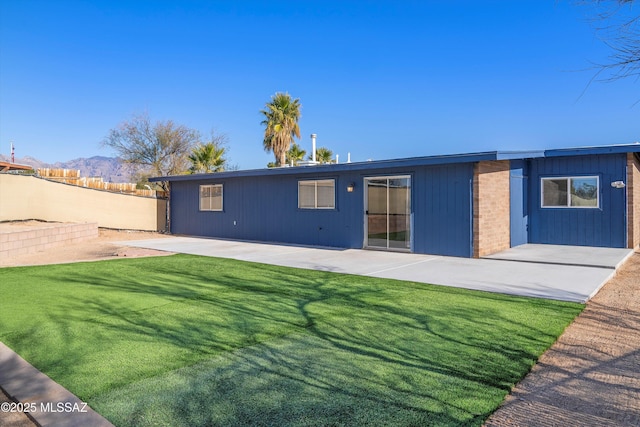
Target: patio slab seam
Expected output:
[568,264]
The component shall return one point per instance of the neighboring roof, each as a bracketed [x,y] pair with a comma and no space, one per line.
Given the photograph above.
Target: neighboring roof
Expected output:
[6,166]
[409,162]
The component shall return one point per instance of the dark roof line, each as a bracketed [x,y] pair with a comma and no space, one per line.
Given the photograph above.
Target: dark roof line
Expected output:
[410,162]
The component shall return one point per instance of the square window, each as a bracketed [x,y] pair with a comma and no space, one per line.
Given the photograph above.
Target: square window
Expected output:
[317,194]
[571,192]
[211,197]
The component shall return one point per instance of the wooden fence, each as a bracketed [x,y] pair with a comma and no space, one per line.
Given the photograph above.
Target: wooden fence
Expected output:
[72,177]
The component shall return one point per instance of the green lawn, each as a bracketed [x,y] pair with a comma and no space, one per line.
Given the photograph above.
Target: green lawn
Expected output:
[186,341]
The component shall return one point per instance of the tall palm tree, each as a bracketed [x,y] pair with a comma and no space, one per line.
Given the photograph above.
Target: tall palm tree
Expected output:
[207,158]
[281,117]
[295,154]
[323,155]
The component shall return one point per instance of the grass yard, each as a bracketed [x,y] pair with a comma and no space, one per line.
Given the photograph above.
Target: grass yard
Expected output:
[187,340]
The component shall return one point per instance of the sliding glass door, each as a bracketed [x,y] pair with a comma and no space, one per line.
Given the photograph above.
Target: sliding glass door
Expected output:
[388,212]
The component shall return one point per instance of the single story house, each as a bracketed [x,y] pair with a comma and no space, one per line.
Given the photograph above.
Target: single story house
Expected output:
[466,205]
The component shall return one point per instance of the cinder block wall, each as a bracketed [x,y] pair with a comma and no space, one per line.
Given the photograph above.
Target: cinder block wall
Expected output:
[32,240]
[491,219]
[633,201]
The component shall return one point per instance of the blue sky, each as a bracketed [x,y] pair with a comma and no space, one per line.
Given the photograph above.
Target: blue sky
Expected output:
[379,79]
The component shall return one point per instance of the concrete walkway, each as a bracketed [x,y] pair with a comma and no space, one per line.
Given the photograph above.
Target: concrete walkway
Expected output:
[532,270]
[590,376]
[48,403]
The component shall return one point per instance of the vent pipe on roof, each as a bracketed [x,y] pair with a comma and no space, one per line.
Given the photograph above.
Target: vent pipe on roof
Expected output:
[348,157]
[337,158]
[313,147]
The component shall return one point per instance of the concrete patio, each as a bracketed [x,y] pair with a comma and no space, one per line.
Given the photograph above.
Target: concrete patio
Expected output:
[566,273]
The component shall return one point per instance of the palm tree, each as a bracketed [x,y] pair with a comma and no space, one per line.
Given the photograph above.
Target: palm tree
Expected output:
[323,155]
[281,117]
[207,158]
[295,154]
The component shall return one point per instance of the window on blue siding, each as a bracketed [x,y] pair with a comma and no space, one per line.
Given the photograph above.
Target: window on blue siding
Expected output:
[317,194]
[211,197]
[571,192]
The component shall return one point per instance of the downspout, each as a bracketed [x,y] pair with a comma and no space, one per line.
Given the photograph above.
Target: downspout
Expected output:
[472,214]
[167,226]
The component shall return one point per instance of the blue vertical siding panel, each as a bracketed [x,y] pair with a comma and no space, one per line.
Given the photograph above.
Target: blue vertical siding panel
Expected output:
[605,226]
[266,209]
[519,212]
[442,213]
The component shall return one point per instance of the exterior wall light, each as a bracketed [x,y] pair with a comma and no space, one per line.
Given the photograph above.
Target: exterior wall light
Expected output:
[617,184]
[350,187]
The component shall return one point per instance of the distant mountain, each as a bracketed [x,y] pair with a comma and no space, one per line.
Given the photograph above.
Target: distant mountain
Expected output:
[109,168]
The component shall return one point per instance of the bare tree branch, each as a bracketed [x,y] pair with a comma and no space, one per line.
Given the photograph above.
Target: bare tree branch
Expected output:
[159,149]
[617,24]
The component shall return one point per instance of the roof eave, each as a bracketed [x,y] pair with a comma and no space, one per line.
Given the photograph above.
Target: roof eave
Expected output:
[409,162]
[582,151]
[341,167]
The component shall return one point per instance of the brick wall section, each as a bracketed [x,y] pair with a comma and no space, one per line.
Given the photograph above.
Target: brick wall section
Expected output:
[491,219]
[633,201]
[29,241]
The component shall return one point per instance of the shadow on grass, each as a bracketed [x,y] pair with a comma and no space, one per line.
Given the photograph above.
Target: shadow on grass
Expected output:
[271,345]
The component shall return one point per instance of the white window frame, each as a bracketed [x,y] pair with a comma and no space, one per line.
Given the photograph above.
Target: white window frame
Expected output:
[316,181]
[210,208]
[568,179]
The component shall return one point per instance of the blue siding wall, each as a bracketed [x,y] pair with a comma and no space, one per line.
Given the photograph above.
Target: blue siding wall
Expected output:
[519,209]
[605,226]
[265,208]
[443,214]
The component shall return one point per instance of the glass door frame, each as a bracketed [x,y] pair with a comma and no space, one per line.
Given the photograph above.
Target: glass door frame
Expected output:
[409,213]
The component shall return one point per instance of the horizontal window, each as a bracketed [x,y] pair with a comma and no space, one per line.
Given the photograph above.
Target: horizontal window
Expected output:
[318,194]
[571,192]
[211,197]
